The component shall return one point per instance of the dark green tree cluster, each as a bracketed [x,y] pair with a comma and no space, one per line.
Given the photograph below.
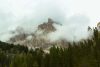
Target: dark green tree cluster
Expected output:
[81,54]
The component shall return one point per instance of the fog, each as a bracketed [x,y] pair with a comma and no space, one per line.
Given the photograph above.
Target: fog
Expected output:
[74,15]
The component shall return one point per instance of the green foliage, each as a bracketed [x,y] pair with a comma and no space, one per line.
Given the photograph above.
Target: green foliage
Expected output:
[82,54]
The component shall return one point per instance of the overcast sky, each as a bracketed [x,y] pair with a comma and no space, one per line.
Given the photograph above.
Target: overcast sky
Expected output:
[29,13]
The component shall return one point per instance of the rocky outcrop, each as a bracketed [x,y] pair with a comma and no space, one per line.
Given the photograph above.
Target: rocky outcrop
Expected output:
[47,26]
[38,39]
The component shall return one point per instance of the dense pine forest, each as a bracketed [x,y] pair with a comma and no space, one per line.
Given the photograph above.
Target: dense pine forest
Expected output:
[82,54]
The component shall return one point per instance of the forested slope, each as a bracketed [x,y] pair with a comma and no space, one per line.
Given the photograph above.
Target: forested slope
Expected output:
[81,54]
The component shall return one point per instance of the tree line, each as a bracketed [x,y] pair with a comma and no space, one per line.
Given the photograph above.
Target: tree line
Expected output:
[81,54]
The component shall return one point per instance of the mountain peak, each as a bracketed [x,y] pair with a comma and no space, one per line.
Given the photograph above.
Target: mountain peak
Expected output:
[47,26]
[39,38]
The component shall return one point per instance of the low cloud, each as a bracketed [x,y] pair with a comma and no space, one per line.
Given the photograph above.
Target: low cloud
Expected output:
[28,14]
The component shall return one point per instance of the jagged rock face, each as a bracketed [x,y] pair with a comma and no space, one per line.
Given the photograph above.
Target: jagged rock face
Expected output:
[48,26]
[39,38]
[18,37]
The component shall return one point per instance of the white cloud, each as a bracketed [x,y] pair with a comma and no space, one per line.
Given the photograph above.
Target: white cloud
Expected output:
[30,13]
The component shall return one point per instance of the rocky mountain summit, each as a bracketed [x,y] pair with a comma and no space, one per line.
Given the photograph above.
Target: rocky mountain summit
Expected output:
[39,38]
[47,26]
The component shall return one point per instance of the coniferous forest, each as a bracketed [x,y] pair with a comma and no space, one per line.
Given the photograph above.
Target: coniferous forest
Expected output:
[81,54]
